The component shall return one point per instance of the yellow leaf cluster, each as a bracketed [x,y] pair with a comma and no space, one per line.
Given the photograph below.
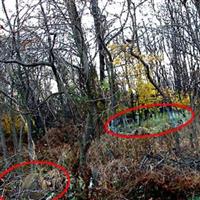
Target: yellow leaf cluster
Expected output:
[153,58]
[6,123]
[147,93]
[150,58]
[138,66]
[112,47]
[117,61]
[185,100]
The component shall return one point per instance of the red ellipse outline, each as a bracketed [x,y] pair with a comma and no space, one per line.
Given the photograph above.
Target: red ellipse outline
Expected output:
[39,162]
[112,133]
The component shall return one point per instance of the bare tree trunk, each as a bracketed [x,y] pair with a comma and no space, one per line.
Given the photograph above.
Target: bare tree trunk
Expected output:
[197,4]
[20,136]
[100,23]
[13,132]
[88,77]
[31,145]
[13,128]
[3,143]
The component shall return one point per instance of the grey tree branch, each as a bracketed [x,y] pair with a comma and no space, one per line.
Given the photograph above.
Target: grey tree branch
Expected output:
[35,64]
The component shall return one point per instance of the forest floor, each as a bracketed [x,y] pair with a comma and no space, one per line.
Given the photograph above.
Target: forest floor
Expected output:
[121,169]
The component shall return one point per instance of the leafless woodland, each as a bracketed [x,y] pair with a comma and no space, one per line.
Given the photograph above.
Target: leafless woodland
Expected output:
[66,66]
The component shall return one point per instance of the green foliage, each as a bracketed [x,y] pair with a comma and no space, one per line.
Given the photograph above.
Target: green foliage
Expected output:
[105,85]
[158,123]
[195,198]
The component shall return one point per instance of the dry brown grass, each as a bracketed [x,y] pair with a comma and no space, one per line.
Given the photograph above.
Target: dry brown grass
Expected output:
[118,161]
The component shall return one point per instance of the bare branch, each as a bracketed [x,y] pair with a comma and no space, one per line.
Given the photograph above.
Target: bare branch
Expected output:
[35,64]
